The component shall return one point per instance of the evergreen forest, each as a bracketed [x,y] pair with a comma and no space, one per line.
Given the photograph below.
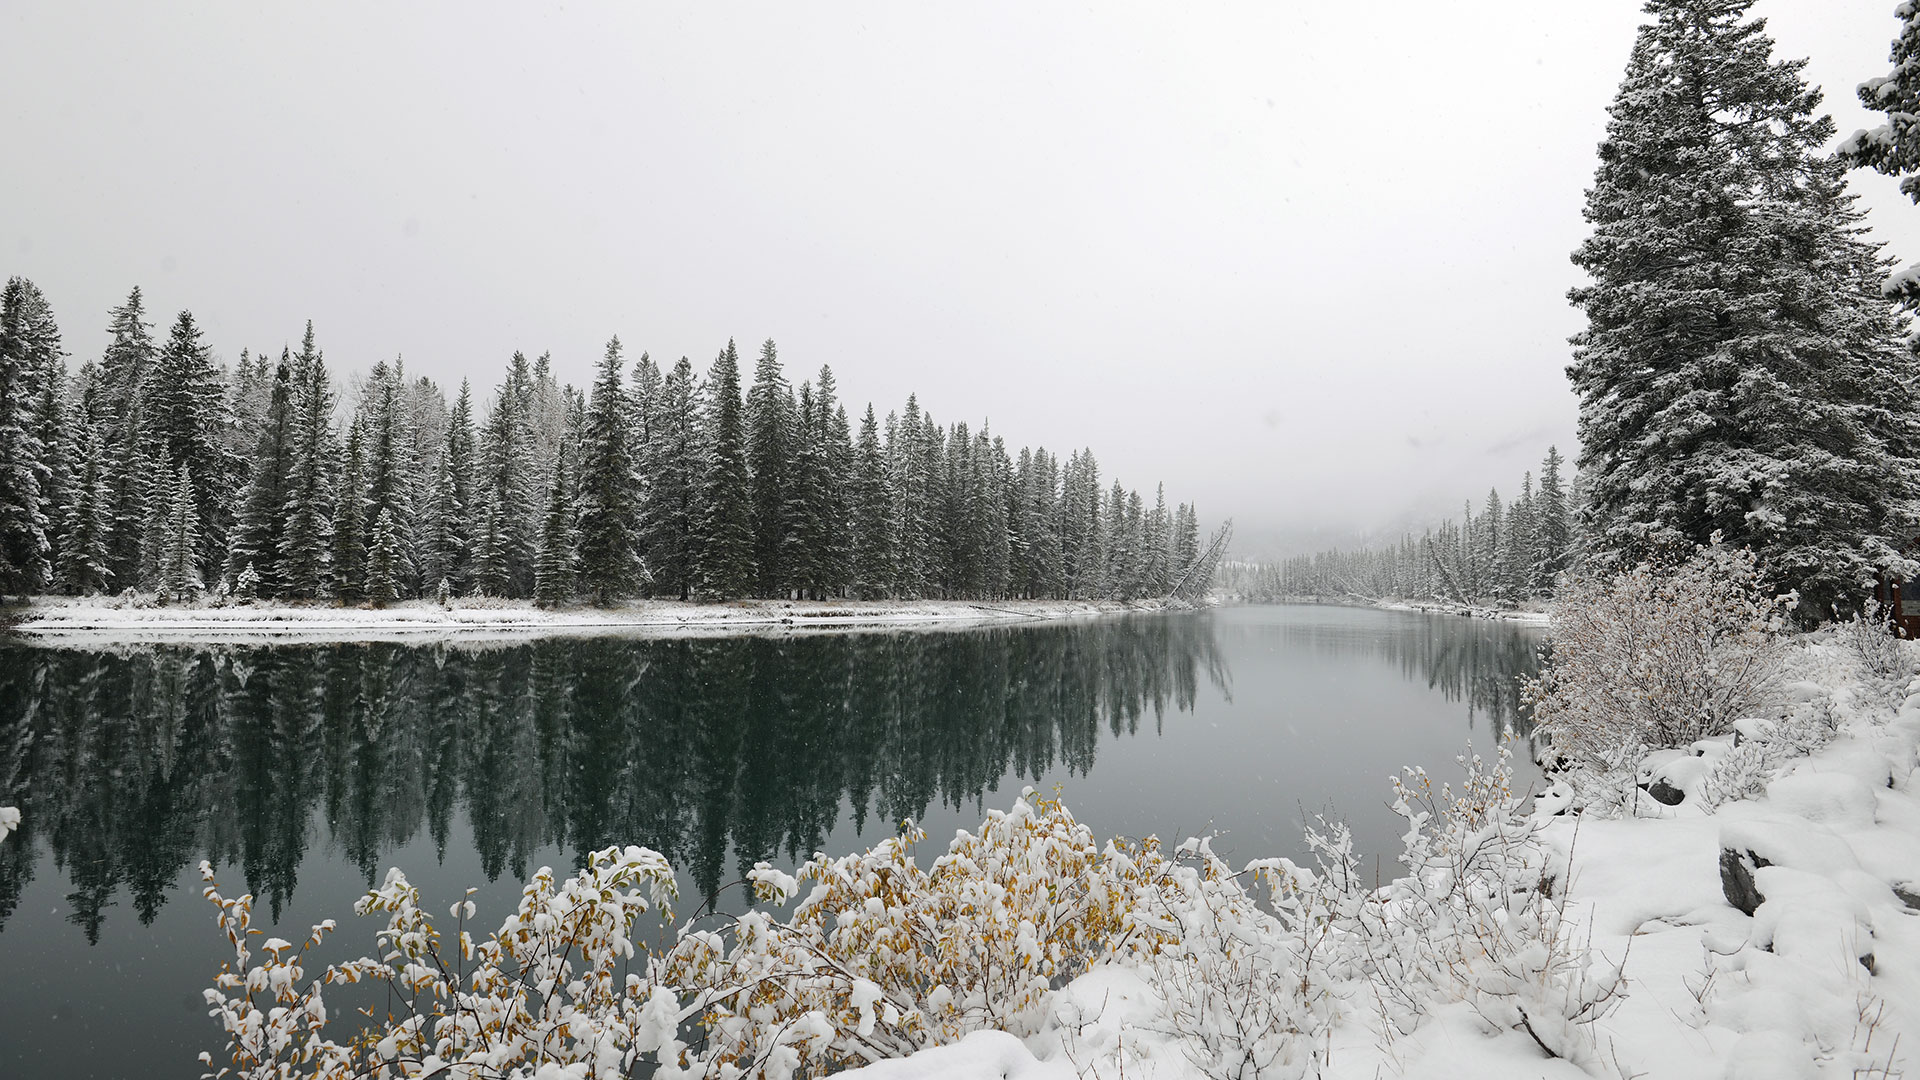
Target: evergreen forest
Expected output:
[159,470]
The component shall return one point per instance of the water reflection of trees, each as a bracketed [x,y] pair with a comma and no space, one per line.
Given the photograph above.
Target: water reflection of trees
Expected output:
[1477,661]
[131,765]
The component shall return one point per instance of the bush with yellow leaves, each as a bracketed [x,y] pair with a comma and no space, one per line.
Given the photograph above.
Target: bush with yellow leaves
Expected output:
[539,994]
[884,957]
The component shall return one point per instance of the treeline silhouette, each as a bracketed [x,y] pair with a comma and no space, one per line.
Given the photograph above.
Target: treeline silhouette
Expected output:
[132,765]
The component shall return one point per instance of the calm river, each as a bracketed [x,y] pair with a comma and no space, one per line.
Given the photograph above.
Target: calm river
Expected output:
[304,771]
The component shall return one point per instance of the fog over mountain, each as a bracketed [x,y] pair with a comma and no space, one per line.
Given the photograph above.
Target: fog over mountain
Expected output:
[1304,263]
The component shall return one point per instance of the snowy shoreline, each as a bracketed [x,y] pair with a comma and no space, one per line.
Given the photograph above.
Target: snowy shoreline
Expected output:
[56,620]
[1425,607]
[1818,977]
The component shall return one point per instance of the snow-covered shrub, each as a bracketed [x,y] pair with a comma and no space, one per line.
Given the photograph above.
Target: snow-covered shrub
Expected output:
[1742,771]
[542,992]
[883,958]
[1478,917]
[1659,656]
[1238,988]
[1871,639]
[9,820]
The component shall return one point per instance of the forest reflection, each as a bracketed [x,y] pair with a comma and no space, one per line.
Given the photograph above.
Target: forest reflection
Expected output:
[133,764]
[1478,662]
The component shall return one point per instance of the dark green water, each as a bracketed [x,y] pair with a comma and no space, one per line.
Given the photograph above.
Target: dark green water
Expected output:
[304,771]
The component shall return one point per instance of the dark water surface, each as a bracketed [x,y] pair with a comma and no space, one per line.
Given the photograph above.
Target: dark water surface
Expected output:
[304,771]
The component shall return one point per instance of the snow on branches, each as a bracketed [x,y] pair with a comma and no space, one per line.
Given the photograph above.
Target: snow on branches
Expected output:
[1661,655]
[882,957]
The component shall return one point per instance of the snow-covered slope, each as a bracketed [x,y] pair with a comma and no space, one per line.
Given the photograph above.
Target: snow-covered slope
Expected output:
[1820,980]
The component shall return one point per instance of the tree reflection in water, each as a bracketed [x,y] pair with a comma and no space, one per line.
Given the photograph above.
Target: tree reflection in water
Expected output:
[131,764]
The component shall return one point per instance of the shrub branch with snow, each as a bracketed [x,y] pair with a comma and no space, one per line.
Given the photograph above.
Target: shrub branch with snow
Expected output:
[1661,655]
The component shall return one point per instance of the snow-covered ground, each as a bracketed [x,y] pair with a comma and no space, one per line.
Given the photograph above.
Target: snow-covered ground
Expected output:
[1822,980]
[104,620]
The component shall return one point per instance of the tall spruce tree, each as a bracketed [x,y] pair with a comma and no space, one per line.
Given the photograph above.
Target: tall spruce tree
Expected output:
[389,466]
[25,532]
[306,545]
[450,544]
[86,519]
[672,458]
[260,526]
[726,556]
[188,414]
[178,576]
[770,448]
[350,532]
[555,571]
[1740,372]
[872,514]
[505,547]
[130,354]
[610,566]
[1553,524]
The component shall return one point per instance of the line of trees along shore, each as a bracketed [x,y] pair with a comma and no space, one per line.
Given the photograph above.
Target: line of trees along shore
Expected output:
[1506,553]
[160,470]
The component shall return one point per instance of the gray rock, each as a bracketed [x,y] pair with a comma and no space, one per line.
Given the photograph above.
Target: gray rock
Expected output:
[1665,792]
[1736,879]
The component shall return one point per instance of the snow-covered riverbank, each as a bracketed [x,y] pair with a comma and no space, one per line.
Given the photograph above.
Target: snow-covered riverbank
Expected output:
[475,619]
[1429,607]
[1820,980]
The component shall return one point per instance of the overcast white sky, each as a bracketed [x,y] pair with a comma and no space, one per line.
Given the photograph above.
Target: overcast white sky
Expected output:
[1306,262]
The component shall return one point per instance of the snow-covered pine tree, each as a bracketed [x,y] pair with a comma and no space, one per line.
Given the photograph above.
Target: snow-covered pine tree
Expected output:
[87,519]
[1893,148]
[306,545]
[725,561]
[913,454]
[503,553]
[671,462]
[178,575]
[52,425]
[260,525]
[555,573]
[872,514]
[1553,524]
[610,568]
[835,438]
[24,528]
[384,560]
[450,541]
[388,466]
[350,533]
[1082,560]
[186,410]
[802,508]
[122,373]
[1740,372]
[996,480]
[770,449]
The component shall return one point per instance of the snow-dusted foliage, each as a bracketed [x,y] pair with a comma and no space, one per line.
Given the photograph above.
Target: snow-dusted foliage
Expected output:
[1660,655]
[543,993]
[1479,917]
[884,957]
[1241,990]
